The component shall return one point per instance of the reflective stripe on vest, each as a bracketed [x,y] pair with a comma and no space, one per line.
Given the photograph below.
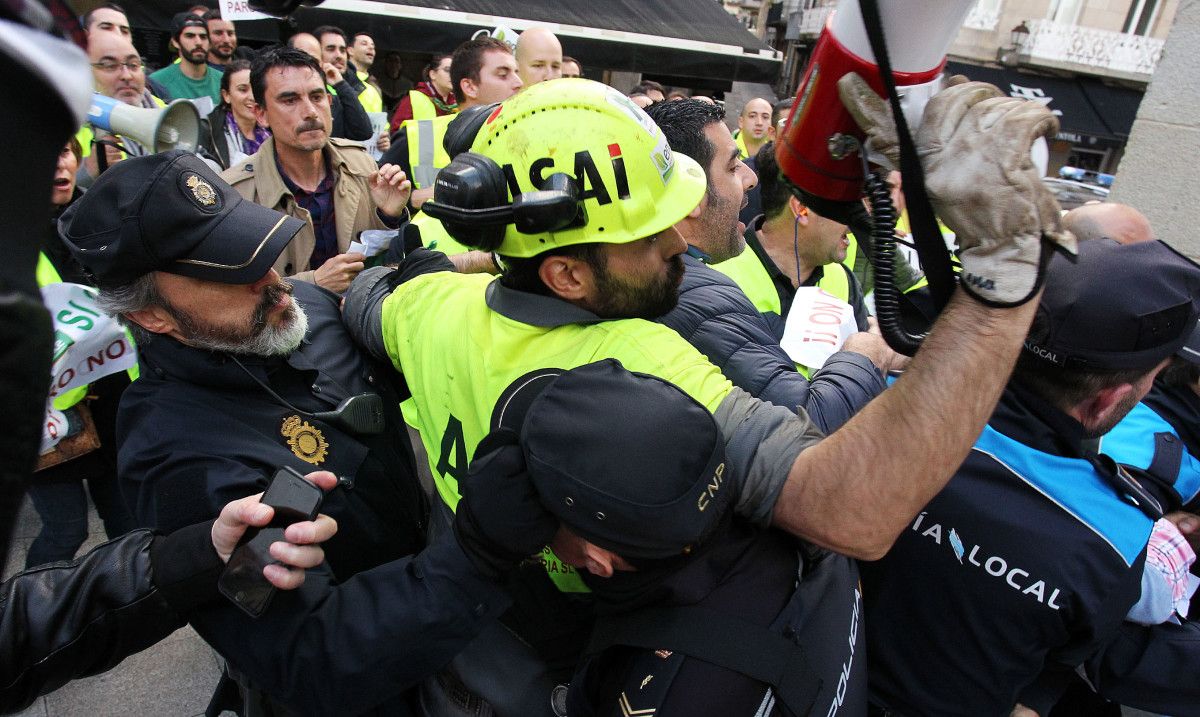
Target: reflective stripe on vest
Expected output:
[457,369]
[426,155]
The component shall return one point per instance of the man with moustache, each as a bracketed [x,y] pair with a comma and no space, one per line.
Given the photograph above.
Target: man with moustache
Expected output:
[350,120]
[191,77]
[331,185]
[242,373]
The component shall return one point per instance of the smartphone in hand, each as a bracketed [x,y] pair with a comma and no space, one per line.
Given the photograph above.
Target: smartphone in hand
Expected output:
[294,499]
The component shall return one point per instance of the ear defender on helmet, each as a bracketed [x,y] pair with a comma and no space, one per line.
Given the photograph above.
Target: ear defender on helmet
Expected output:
[581,163]
[470,198]
[460,133]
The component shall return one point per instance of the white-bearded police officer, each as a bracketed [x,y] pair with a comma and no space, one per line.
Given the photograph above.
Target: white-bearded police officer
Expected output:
[577,191]
[241,373]
[1029,560]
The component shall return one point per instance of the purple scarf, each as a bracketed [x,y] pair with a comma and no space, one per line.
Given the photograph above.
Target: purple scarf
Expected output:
[249,146]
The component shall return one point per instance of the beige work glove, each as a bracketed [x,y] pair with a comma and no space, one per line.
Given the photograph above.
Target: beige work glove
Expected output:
[974,143]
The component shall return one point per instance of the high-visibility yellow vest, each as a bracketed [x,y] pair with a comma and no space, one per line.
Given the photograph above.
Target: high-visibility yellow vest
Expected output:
[46,274]
[370,98]
[457,369]
[422,106]
[426,155]
[740,140]
[434,236]
[750,274]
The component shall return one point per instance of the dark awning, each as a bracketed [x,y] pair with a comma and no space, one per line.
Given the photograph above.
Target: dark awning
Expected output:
[1063,96]
[679,38]
[1085,106]
[1117,106]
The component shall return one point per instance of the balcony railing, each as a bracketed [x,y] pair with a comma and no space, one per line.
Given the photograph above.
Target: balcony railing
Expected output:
[812,21]
[983,16]
[1117,51]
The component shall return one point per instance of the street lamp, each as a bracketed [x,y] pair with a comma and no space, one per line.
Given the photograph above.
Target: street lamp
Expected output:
[1019,35]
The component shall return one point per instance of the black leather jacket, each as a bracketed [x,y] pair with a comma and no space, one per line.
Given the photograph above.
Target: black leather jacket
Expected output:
[63,621]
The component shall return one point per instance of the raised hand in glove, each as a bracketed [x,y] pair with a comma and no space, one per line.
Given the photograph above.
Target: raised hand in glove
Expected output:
[500,521]
[974,143]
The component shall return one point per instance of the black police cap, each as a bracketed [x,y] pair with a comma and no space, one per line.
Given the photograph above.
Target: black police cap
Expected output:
[628,461]
[1118,307]
[170,212]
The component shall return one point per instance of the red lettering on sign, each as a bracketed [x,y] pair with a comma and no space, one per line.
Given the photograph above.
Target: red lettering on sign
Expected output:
[119,346]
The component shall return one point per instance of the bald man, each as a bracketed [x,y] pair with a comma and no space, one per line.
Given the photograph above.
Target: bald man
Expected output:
[539,56]
[754,127]
[1119,222]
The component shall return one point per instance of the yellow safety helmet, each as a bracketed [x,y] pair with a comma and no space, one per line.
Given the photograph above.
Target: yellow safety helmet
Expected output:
[572,161]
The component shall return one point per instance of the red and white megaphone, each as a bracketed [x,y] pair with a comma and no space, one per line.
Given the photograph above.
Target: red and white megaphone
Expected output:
[816,154]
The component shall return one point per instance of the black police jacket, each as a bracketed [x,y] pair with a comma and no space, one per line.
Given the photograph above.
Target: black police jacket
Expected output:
[196,431]
[754,626]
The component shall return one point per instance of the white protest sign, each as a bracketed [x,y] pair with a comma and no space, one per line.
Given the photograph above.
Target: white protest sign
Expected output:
[379,127]
[88,344]
[232,10]
[817,326]
[54,428]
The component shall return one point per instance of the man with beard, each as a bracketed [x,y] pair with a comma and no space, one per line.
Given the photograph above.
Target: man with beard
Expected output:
[1033,554]
[332,185]
[714,314]
[589,247]
[222,40]
[791,249]
[191,77]
[243,373]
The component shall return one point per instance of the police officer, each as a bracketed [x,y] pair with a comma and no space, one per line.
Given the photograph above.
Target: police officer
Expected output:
[582,219]
[697,610]
[241,373]
[1032,556]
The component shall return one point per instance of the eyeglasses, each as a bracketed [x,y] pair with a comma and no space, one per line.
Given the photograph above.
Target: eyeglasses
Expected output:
[110,66]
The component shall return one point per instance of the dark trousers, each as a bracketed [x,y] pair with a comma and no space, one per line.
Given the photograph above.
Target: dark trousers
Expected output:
[58,492]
